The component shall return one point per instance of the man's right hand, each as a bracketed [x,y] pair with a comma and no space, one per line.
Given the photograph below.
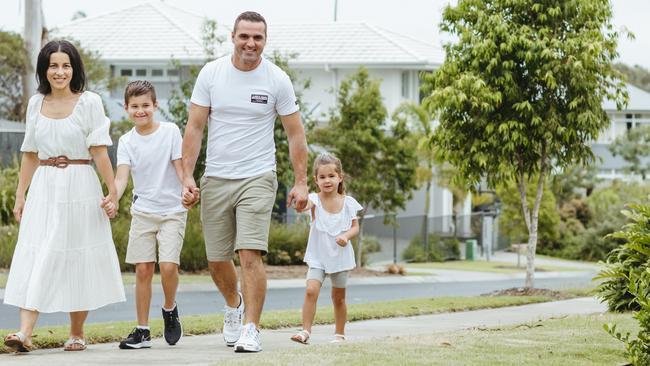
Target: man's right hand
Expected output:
[191,193]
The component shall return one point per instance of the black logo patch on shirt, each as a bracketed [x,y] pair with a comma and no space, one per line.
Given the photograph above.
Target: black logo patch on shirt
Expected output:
[259,98]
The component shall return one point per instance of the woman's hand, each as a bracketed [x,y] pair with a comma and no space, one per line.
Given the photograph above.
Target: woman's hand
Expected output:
[19,205]
[110,205]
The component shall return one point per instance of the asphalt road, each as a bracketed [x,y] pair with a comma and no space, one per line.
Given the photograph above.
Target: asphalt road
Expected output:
[205,302]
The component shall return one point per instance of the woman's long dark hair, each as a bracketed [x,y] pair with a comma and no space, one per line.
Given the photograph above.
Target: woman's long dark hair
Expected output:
[78,82]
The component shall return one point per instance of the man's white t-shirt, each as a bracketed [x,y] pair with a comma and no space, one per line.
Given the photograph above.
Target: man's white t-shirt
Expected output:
[156,187]
[243,107]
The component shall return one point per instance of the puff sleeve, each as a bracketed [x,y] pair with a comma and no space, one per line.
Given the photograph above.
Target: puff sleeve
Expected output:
[352,207]
[96,123]
[33,108]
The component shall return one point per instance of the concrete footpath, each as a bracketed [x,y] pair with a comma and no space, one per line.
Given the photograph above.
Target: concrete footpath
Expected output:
[209,349]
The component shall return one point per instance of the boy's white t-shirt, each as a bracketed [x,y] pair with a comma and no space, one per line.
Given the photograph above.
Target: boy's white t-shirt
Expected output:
[243,107]
[156,187]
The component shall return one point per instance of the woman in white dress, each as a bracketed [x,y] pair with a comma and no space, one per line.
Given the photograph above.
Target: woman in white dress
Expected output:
[65,259]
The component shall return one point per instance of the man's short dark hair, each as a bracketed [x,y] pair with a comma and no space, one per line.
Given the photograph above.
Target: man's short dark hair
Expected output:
[250,16]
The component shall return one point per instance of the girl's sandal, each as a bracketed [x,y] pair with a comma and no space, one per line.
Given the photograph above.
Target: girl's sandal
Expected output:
[17,342]
[338,338]
[74,344]
[301,337]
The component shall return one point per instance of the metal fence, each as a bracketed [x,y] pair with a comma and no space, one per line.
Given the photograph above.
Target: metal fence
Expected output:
[10,146]
[477,226]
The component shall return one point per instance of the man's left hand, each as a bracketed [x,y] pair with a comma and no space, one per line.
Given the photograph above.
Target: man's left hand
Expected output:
[297,197]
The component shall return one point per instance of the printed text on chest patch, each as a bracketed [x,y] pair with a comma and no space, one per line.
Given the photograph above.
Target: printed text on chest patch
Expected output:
[259,98]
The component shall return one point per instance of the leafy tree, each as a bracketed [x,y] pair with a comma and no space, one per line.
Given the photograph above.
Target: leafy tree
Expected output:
[520,92]
[513,225]
[565,183]
[636,75]
[634,148]
[379,159]
[13,64]
[419,121]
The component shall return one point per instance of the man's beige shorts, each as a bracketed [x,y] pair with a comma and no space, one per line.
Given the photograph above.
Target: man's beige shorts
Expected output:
[236,214]
[148,229]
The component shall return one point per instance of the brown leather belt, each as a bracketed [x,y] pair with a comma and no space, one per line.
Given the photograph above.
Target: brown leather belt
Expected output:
[63,161]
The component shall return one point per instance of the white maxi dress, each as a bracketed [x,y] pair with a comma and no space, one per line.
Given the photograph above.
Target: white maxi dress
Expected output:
[65,259]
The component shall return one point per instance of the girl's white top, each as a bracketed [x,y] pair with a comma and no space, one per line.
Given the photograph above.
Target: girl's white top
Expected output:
[322,250]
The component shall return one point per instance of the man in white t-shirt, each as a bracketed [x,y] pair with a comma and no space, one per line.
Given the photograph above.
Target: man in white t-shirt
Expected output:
[239,96]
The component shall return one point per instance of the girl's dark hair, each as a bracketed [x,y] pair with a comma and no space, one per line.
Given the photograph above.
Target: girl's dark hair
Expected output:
[325,159]
[78,82]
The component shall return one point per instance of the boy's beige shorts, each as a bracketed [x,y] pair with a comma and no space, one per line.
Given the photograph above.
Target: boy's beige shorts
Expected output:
[149,229]
[236,214]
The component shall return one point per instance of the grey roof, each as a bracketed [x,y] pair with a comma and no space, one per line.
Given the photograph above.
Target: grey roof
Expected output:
[639,100]
[10,126]
[155,32]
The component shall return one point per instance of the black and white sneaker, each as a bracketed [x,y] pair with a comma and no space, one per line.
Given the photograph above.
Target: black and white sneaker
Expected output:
[173,328]
[139,338]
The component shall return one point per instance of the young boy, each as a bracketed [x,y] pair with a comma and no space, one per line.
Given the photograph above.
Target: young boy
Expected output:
[151,151]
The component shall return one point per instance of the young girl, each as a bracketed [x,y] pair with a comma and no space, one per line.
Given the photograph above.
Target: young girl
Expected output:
[329,251]
[65,259]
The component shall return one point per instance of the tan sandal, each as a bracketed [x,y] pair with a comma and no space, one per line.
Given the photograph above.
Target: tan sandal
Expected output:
[18,342]
[74,344]
[301,337]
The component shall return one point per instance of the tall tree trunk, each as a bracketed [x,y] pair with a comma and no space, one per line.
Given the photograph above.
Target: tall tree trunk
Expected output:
[33,37]
[425,224]
[360,241]
[532,219]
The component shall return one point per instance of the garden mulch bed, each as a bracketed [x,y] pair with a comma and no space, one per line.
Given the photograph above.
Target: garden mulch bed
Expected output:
[526,291]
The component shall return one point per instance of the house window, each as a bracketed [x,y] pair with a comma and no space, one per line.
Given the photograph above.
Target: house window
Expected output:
[172,72]
[406,84]
[141,72]
[126,72]
[157,72]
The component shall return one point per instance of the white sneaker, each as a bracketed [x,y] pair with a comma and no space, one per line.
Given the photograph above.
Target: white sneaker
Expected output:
[232,322]
[249,340]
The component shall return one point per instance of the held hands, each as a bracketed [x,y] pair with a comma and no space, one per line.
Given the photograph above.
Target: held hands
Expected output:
[341,240]
[191,193]
[110,205]
[19,205]
[297,197]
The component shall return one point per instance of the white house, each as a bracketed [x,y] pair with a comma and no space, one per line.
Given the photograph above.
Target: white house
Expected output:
[637,113]
[141,41]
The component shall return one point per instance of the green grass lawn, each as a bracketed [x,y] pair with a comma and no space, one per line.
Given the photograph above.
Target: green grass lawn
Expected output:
[483,266]
[554,342]
[52,337]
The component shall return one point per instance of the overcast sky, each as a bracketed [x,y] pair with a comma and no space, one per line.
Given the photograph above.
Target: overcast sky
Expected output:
[417,18]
